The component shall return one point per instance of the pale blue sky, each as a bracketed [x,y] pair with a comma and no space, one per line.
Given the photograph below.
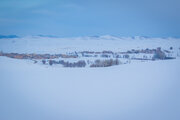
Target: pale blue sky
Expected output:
[66,18]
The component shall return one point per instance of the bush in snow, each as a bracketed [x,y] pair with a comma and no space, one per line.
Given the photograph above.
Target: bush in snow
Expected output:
[35,61]
[44,61]
[81,63]
[126,56]
[50,62]
[105,55]
[61,62]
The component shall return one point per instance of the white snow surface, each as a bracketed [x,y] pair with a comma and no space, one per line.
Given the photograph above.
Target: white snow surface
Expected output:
[35,44]
[137,91]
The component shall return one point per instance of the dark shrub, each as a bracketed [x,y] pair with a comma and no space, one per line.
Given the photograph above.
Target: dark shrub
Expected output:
[105,55]
[80,63]
[126,56]
[116,62]
[35,61]
[44,61]
[50,62]
[61,62]
[118,56]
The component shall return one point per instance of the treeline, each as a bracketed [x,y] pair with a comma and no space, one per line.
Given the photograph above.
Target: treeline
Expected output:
[80,63]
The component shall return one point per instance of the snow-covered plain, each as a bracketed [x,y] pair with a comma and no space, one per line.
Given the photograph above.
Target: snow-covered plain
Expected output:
[137,91]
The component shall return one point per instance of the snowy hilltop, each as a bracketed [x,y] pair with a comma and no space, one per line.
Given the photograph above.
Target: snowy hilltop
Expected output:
[55,45]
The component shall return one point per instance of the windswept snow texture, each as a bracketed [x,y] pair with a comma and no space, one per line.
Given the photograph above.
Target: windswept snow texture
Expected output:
[37,44]
[137,91]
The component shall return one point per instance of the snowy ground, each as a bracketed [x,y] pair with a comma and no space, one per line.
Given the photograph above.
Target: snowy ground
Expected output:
[99,43]
[137,91]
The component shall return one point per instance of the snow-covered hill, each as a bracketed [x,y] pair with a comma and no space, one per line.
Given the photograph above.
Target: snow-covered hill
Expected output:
[39,44]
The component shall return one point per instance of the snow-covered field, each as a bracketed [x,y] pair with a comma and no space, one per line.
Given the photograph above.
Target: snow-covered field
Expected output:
[137,91]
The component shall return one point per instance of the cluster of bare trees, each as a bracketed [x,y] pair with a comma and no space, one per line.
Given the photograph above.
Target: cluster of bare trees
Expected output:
[159,54]
[80,63]
[105,63]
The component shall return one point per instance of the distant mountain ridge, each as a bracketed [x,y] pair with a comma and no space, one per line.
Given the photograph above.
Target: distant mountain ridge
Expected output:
[112,37]
[8,36]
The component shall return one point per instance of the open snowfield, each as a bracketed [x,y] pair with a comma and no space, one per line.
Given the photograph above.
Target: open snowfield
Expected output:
[137,91]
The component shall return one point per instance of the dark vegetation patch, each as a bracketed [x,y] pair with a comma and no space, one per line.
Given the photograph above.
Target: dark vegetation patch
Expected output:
[80,63]
[105,63]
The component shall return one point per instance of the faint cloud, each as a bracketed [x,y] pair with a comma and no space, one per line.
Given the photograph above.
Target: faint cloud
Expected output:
[44,12]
